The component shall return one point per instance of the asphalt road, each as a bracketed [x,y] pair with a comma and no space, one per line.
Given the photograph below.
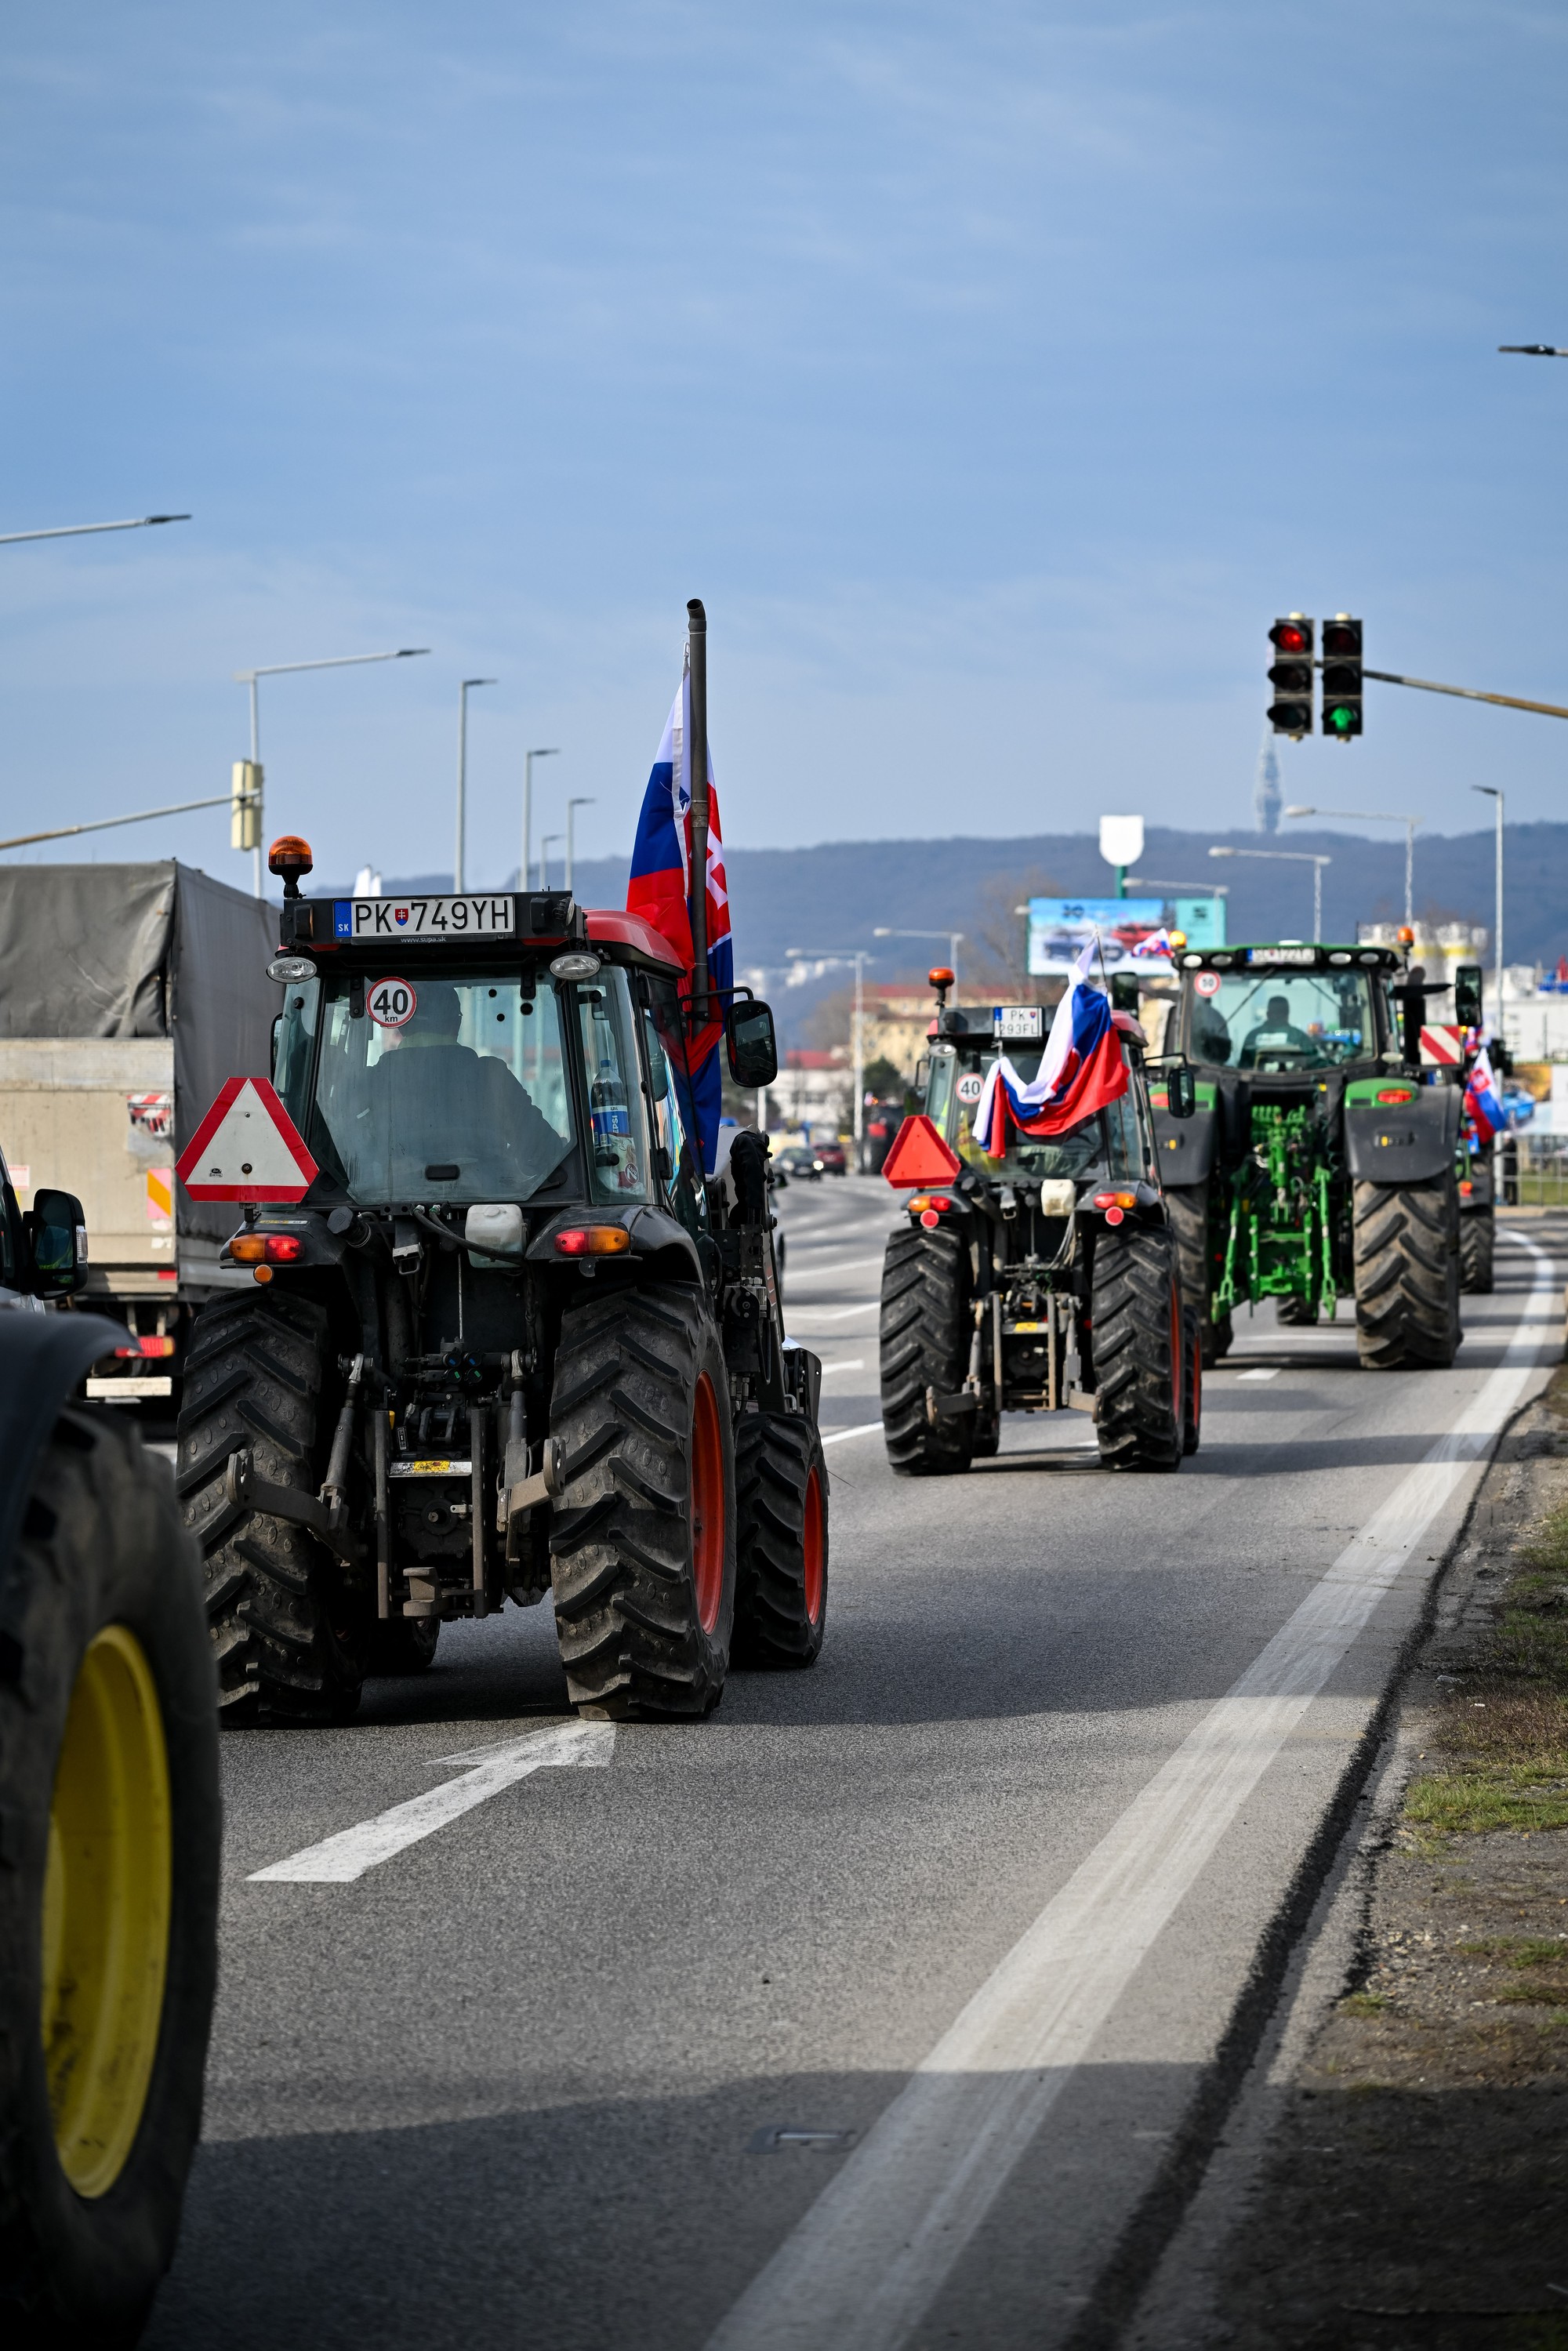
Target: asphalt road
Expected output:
[982,1910]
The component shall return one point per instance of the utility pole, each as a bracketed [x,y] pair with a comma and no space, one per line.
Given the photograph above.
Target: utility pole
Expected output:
[860,958]
[1491,792]
[583,799]
[457,863]
[290,669]
[697,758]
[525,878]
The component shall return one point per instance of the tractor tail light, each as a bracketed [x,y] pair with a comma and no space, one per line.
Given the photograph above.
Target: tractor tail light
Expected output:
[1395,1094]
[592,1240]
[265,1248]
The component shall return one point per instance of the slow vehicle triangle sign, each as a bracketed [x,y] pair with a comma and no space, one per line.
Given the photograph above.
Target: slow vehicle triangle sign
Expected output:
[246,1148]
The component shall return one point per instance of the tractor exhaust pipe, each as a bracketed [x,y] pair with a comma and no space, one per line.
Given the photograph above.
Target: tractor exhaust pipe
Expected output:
[696,753]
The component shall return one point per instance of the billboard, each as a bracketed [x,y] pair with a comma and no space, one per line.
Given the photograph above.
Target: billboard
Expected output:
[1058,929]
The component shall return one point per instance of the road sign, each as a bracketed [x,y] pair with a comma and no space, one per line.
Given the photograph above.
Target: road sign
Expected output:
[246,1148]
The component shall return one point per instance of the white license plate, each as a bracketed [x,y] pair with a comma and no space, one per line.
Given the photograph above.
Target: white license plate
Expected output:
[1282,955]
[1016,1021]
[124,1388]
[432,919]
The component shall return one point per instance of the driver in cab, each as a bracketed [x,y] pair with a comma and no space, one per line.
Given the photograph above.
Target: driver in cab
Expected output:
[1277,1033]
[434,1099]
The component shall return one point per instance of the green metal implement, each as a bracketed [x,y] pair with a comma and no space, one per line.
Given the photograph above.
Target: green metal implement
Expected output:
[1279,1240]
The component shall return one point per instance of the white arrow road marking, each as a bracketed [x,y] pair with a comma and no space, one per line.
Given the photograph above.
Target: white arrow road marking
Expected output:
[339,1859]
[862,2268]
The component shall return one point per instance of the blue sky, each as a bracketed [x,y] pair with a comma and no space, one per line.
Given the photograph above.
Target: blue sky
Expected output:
[995,375]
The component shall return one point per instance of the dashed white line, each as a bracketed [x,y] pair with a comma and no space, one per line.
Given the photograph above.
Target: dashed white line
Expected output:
[1271,1373]
[854,1363]
[866,1428]
[862,2268]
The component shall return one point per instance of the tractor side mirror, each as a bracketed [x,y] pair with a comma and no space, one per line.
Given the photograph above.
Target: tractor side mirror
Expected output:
[1124,992]
[753,1048]
[1468,995]
[1181,1089]
[55,1227]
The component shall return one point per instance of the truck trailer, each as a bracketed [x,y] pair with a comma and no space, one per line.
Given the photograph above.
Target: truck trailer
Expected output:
[128,994]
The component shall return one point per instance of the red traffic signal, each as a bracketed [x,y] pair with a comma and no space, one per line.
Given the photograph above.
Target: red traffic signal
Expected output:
[1290,712]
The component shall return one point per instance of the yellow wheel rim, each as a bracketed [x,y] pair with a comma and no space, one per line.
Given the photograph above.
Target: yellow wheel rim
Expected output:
[106,1911]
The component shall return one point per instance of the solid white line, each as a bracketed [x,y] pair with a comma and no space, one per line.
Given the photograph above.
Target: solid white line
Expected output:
[339,1859]
[853,1364]
[864,2266]
[1271,1373]
[866,1428]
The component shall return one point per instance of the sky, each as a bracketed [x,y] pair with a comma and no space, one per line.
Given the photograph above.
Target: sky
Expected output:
[995,376]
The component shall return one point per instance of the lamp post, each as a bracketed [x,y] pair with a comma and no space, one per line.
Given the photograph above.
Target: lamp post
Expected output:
[1381,816]
[288,669]
[1491,792]
[583,799]
[86,530]
[954,939]
[547,843]
[463,691]
[1292,857]
[860,958]
[525,881]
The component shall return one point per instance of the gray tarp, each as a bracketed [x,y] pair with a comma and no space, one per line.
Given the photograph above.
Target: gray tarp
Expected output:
[144,951]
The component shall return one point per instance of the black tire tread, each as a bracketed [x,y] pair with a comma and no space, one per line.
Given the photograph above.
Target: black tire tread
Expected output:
[1135,1377]
[1478,1235]
[924,1346]
[1186,1204]
[775,1454]
[1407,1273]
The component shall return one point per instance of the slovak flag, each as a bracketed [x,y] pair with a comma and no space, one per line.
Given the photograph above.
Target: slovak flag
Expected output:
[1157,943]
[1080,1071]
[658,891]
[1483,1103]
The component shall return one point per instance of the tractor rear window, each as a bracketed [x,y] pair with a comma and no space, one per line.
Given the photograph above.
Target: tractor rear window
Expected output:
[1275,1022]
[1109,1140]
[449,1088]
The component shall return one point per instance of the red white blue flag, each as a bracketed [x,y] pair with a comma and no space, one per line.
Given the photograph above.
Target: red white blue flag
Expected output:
[659,890]
[1483,1105]
[1080,1071]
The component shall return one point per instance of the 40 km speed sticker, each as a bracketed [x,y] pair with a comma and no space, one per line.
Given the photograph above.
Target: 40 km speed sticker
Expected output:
[971,1086]
[390,1002]
[1206,983]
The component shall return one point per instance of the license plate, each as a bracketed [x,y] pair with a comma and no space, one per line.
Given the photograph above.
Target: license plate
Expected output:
[1282,955]
[431,919]
[125,1387]
[1015,1020]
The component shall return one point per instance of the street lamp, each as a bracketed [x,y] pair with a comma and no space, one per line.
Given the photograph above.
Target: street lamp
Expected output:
[83,529]
[1380,816]
[1530,351]
[951,938]
[1491,792]
[583,799]
[1292,857]
[545,845]
[860,958]
[457,863]
[288,669]
[524,882]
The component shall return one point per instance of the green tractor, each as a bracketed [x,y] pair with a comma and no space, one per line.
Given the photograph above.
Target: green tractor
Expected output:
[1321,1160]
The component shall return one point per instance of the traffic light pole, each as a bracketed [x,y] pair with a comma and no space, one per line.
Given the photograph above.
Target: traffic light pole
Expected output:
[106,823]
[1465,693]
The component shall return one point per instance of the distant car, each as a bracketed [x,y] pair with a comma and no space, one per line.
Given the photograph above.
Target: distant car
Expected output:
[832,1159]
[798,1165]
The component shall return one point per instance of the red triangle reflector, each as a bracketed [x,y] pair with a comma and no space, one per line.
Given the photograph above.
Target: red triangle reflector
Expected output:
[919,1156]
[246,1148]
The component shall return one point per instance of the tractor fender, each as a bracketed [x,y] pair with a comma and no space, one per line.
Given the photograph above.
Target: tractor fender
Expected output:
[1184,1147]
[42,1357]
[1403,1143]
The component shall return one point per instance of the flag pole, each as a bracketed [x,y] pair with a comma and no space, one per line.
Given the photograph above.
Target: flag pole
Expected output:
[696,752]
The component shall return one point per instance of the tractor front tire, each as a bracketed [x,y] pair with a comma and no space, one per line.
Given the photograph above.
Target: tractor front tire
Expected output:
[1295,1312]
[782,1540]
[643,1534]
[1477,1234]
[1136,1330]
[109,1889]
[1407,1274]
[924,1352]
[1186,1206]
[292,1640]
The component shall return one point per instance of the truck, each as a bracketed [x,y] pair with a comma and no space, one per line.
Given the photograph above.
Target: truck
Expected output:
[128,993]
[1045,1280]
[1320,1162]
[109,1796]
[502,1338]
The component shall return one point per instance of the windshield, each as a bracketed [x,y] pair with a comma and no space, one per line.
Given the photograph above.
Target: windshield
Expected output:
[449,1088]
[1279,1020]
[1112,1139]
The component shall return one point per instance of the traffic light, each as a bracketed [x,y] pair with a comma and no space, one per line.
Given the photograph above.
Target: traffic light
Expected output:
[1290,712]
[1341,677]
[245,805]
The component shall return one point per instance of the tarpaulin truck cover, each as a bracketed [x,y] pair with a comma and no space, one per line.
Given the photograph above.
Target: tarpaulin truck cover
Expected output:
[128,994]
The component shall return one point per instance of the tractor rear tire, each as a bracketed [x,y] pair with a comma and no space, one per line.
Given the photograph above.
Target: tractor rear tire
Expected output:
[780,1540]
[1295,1312]
[1186,1206]
[108,1892]
[924,1352]
[404,1645]
[643,1534]
[1477,1234]
[292,1640]
[1407,1273]
[1192,1386]
[1137,1334]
